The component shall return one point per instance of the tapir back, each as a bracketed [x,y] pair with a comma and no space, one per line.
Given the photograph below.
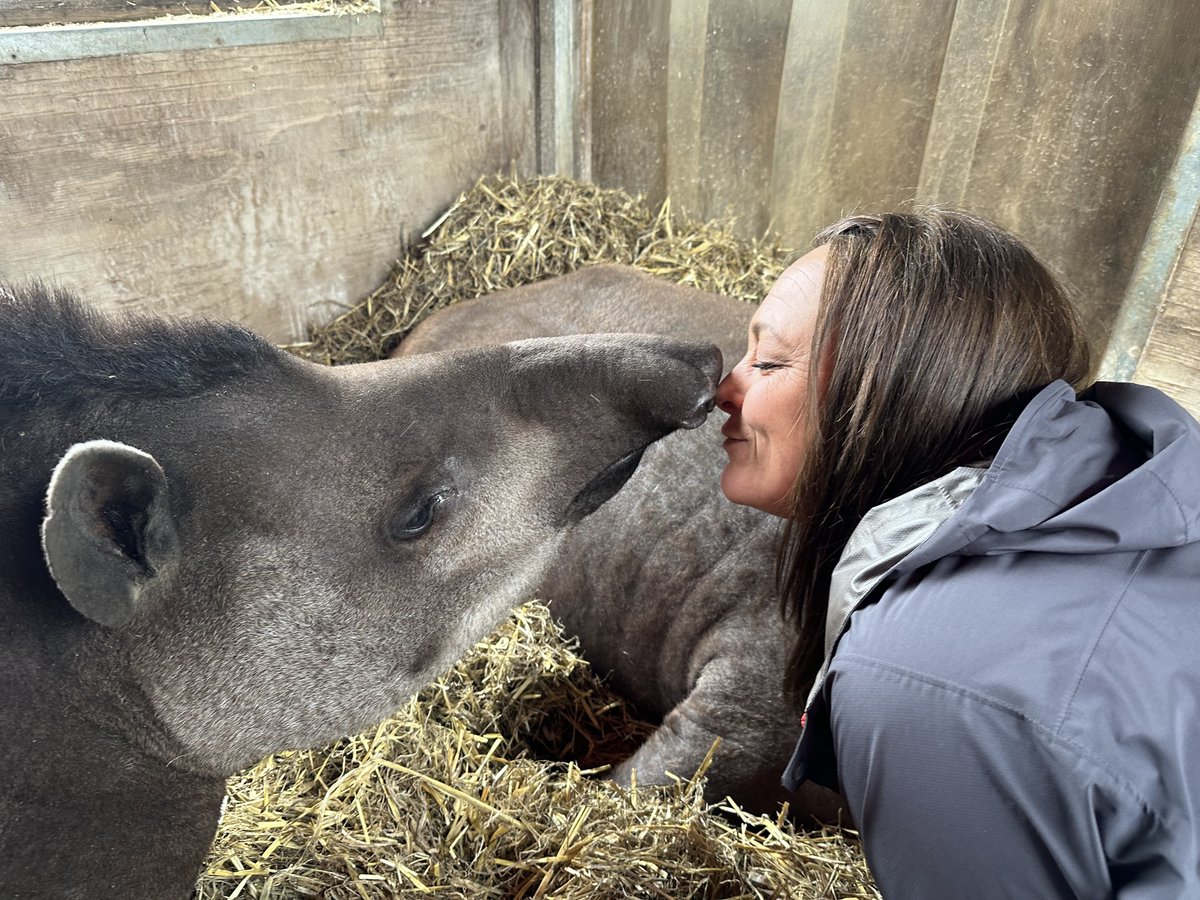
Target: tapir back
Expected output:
[670,588]
[597,299]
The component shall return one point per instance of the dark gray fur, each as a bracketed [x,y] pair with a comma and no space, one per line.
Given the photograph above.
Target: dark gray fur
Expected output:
[207,554]
[670,587]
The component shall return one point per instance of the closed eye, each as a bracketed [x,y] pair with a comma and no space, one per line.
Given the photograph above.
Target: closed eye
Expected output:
[412,523]
[766,366]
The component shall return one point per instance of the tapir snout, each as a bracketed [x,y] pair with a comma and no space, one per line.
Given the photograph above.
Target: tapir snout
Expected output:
[639,387]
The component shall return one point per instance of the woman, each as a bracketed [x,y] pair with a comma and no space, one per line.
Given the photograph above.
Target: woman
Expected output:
[993,577]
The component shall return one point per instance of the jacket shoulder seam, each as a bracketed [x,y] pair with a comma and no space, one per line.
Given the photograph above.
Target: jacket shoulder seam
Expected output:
[1178,506]
[1087,663]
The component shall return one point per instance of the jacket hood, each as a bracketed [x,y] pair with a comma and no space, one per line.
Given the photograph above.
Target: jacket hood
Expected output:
[1070,471]
[1115,469]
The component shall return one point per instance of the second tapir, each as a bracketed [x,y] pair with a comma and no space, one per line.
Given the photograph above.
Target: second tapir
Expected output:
[670,588]
[211,550]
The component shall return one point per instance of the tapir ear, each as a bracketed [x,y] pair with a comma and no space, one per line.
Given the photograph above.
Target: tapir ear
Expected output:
[108,528]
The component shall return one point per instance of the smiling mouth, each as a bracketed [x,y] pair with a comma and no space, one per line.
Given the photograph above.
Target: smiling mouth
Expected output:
[600,489]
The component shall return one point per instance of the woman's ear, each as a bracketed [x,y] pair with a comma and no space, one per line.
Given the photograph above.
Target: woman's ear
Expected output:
[108,529]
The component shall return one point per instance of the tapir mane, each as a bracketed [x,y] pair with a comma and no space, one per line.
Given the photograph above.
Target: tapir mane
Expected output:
[55,351]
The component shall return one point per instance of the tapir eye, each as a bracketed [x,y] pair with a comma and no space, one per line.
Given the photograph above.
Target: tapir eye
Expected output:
[415,521]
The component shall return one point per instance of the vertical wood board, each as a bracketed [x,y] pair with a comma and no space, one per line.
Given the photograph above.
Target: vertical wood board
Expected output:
[865,98]
[1081,122]
[1171,358]
[802,164]
[743,67]
[687,55]
[629,95]
[967,74]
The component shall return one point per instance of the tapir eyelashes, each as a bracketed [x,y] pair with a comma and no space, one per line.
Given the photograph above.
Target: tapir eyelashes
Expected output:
[413,523]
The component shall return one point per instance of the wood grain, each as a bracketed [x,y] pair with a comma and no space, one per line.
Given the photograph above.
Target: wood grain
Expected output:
[518,90]
[1080,124]
[630,50]
[61,12]
[876,100]
[742,74]
[1171,358]
[967,74]
[802,162]
[687,56]
[271,184]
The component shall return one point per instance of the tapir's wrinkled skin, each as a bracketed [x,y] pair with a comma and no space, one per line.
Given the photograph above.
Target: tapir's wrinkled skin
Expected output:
[211,550]
[670,587]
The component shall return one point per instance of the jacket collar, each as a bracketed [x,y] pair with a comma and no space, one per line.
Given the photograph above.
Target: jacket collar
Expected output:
[887,534]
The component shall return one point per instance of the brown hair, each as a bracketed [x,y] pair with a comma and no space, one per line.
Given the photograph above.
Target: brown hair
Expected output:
[934,329]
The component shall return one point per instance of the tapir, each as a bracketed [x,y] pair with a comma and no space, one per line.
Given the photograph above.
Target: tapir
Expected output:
[670,588]
[211,550]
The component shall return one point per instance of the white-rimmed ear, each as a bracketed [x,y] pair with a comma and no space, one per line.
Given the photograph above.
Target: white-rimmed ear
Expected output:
[108,529]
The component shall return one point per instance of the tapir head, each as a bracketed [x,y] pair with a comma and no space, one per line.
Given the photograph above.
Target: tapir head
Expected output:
[285,558]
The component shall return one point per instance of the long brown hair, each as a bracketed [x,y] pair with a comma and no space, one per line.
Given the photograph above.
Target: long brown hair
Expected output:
[934,328]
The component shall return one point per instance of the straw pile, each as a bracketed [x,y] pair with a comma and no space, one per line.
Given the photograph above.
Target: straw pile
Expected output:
[505,232]
[486,785]
[289,7]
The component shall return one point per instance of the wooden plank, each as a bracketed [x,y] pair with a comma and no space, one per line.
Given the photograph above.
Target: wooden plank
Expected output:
[582,85]
[1171,358]
[544,52]
[564,87]
[272,185]
[864,146]
[59,12]
[687,55]
[801,164]
[742,73]
[882,120]
[971,53]
[1081,123]
[630,47]
[1174,216]
[517,50]
[20,46]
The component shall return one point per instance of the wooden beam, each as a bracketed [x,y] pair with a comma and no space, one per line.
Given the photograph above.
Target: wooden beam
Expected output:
[167,35]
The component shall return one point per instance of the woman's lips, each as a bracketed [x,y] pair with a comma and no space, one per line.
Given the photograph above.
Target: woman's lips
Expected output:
[732,441]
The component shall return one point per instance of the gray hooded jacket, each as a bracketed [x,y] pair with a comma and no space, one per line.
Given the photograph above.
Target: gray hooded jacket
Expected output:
[1011,704]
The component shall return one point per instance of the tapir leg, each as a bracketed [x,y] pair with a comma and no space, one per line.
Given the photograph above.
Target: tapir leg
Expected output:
[746,762]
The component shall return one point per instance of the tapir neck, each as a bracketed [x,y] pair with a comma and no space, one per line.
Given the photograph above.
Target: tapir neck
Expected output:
[98,819]
[84,811]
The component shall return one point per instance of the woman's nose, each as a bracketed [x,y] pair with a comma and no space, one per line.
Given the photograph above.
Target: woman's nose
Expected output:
[729,393]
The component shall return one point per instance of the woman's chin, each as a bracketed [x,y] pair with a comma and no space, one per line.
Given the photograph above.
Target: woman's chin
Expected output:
[746,491]
[735,488]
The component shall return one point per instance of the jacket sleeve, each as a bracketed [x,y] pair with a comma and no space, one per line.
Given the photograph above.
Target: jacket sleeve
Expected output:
[958,796]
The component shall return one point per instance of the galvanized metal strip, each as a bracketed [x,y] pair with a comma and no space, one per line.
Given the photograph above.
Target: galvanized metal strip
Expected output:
[1177,208]
[60,42]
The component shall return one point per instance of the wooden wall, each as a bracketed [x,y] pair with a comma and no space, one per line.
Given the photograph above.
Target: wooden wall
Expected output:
[1171,357]
[1057,118]
[265,183]
[273,182]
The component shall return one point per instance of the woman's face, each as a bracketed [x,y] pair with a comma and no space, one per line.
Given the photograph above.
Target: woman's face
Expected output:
[766,391]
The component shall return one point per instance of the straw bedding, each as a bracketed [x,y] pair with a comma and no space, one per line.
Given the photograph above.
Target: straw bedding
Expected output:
[489,783]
